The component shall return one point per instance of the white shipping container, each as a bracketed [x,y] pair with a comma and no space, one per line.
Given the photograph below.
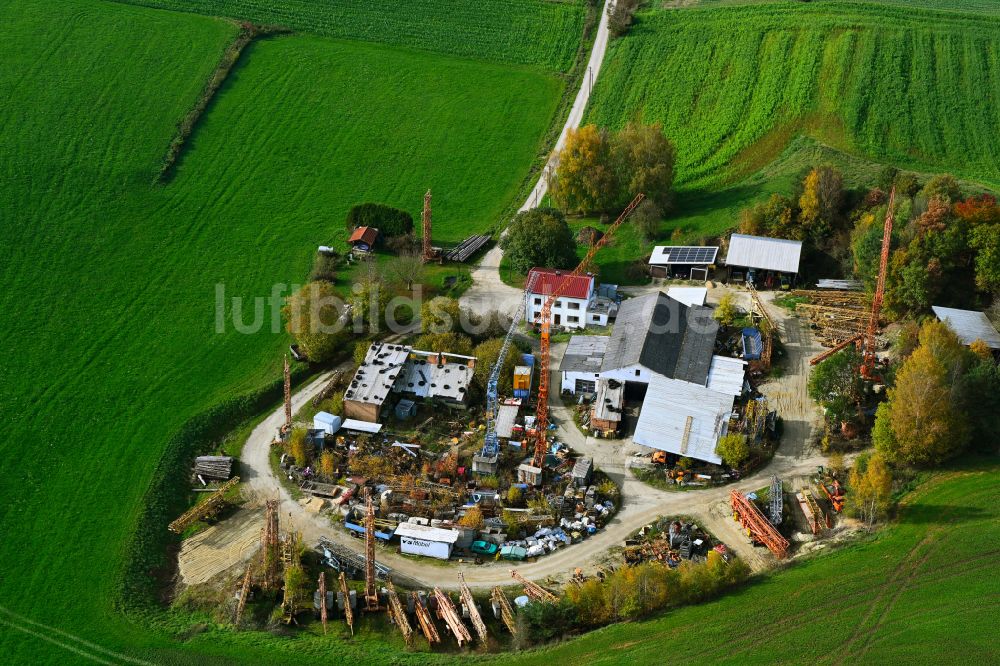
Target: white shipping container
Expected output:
[414,546]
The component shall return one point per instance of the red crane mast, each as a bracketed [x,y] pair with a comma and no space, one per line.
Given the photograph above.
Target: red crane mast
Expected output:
[542,420]
[868,343]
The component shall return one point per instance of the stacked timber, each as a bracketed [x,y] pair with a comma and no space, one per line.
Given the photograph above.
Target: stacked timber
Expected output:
[835,315]
[213,467]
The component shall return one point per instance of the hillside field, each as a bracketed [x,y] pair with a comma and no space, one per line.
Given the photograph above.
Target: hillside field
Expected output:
[108,299]
[545,33]
[733,85]
[920,592]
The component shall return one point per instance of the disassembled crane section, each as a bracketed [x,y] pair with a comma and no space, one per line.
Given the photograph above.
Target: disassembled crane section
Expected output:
[757,525]
[814,515]
[542,415]
[533,590]
[270,546]
[322,599]
[777,501]
[398,614]
[428,253]
[290,559]
[447,611]
[470,605]
[244,594]
[819,358]
[346,594]
[424,619]
[203,509]
[868,358]
[836,496]
[767,339]
[371,591]
[506,611]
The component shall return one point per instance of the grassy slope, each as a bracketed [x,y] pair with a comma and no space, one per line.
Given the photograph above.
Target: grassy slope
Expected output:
[733,85]
[107,306]
[529,32]
[918,593]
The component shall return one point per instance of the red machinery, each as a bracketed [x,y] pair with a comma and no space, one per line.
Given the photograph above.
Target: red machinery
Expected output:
[757,524]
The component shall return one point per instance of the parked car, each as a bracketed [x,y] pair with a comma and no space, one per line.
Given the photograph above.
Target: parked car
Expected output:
[484,548]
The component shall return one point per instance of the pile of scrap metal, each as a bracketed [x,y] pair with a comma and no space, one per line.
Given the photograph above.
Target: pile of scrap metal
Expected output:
[681,541]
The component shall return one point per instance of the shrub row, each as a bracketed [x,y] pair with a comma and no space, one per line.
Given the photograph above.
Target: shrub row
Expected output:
[388,220]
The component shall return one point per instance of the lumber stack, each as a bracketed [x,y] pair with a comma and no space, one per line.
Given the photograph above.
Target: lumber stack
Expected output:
[213,467]
[835,315]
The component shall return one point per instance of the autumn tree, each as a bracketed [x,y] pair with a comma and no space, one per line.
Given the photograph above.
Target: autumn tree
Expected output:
[943,186]
[870,489]
[774,218]
[298,448]
[585,179]
[369,298]
[539,238]
[643,160]
[836,384]
[327,464]
[487,353]
[922,422]
[733,449]
[311,316]
[725,311]
[473,518]
[819,205]
[406,269]
[439,315]
[452,343]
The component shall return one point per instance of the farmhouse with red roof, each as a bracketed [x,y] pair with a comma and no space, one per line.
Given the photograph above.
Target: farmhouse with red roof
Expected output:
[582,302]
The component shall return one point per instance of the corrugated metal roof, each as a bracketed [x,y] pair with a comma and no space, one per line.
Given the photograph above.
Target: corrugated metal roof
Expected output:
[506,417]
[769,254]
[726,375]
[546,281]
[584,353]
[664,335]
[426,532]
[969,325]
[664,417]
[361,426]
[688,295]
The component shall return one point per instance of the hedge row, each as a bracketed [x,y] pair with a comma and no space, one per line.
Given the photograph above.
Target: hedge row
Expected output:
[146,553]
[388,220]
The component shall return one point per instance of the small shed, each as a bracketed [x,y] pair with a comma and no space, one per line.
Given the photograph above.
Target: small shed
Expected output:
[425,540]
[523,376]
[606,413]
[327,422]
[762,260]
[583,472]
[969,325]
[363,239]
[405,409]
[684,261]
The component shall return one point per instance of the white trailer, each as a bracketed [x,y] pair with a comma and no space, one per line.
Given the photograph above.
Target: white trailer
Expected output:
[424,540]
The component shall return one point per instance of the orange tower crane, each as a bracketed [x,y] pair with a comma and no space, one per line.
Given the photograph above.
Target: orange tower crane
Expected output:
[371,592]
[542,418]
[868,344]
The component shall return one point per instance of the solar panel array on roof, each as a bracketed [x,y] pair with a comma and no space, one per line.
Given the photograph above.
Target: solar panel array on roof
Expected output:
[684,254]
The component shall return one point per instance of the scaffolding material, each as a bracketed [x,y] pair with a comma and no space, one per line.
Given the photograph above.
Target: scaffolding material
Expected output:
[204,509]
[533,590]
[348,611]
[398,615]
[506,611]
[542,415]
[757,525]
[270,546]
[424,619]
[470,603]
[447,611]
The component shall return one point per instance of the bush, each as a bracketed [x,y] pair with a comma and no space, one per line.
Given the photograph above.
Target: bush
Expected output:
[539,238]
[388,220]
[733,449]
[324,267]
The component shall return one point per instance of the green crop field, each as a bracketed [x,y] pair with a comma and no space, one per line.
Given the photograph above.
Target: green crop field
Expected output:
[108,300]
[921,592]
[530,32]
[733,85]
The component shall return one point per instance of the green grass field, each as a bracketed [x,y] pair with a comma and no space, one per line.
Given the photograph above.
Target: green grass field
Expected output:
[733,85]
[920,592]
[528,32]
[109,280]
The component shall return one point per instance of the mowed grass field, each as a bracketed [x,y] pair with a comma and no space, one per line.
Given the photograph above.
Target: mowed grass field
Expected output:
[108,300]
[528,32]
[922,591]
[733,85]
